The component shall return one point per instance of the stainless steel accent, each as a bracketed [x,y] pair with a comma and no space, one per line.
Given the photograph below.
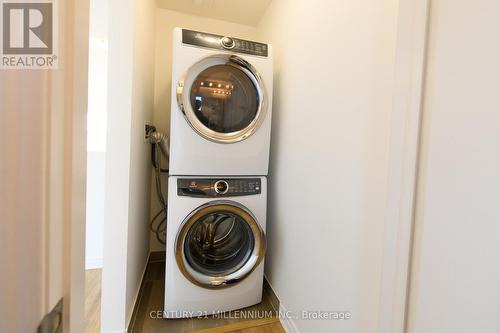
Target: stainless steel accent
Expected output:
[183,98]
[211,282]
[216,185]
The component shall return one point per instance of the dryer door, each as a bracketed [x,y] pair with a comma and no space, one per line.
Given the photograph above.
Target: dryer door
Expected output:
[219,244]
[222,98]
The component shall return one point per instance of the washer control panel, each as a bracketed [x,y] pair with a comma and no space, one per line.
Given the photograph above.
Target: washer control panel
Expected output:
[218,42]
[215,188]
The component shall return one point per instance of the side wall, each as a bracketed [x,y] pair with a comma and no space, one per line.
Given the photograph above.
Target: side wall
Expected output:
[142,112]
[130,104]
[333,91]
[166,21]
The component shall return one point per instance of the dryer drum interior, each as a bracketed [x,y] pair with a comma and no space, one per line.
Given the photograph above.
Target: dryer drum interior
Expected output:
[219,245]
[223,98]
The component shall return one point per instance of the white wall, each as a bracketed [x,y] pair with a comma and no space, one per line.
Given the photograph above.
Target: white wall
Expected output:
[130,104]
[140,166]
[333,90]
[96,132]
[455,281]
[166,21]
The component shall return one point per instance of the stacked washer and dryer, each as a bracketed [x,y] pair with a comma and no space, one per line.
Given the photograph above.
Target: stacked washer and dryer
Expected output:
[219,157]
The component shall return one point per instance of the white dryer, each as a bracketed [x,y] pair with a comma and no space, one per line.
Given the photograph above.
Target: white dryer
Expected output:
[215,245]
[221,105]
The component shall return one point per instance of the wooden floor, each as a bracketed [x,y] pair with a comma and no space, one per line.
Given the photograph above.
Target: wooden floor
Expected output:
[251,326]
[151,299]
[93,300]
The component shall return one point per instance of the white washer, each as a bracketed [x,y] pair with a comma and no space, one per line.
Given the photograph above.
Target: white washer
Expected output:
[215,244]
[221,105]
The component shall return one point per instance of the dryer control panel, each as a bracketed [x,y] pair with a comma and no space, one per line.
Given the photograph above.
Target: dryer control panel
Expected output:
[218,42]
[218,187]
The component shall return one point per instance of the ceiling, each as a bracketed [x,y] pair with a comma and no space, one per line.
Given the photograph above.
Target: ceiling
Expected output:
[246,12]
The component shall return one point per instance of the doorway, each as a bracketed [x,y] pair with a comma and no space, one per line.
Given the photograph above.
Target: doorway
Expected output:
[96,162]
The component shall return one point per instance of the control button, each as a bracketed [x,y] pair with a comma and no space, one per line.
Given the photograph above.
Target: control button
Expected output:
[221,187]
[227,43]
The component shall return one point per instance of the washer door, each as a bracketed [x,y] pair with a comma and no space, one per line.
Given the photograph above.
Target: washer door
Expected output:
[219,244]
[222,98]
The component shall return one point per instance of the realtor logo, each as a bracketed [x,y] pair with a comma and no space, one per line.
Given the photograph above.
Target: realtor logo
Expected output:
[28,32]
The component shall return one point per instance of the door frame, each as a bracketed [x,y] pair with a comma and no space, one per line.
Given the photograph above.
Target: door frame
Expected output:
[403,159]
[409,81]
[75,22]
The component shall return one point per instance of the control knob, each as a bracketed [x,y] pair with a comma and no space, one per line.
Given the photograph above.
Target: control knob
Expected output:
[227,43]
[221,187]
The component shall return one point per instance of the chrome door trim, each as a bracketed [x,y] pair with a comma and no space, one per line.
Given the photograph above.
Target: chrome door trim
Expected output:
[184,103]
[219,282]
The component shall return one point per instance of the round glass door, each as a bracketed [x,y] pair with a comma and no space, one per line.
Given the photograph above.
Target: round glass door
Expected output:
[222,97]
[219,244]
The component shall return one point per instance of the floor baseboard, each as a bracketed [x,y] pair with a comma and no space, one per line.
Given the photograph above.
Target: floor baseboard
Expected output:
[269,291]
[287,321]
[138,297]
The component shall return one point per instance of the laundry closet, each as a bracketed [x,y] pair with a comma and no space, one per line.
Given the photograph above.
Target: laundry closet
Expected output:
[328,91]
